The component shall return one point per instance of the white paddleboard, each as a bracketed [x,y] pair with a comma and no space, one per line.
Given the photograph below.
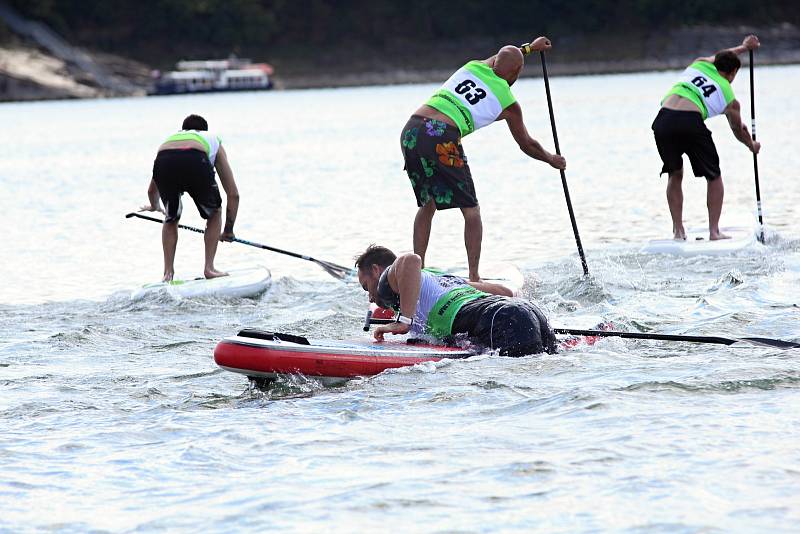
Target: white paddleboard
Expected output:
[239,283]
[698,244]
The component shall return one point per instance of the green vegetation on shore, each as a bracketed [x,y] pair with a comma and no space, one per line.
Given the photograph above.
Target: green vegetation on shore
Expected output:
[159,32]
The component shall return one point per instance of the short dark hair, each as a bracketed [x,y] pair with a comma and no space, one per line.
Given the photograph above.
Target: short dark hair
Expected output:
[375,255]
[727,62]
[195,122]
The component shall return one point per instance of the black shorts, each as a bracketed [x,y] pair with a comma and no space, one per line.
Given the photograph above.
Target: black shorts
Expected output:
[186,170]
[436,164]
[683,132]
[512,326]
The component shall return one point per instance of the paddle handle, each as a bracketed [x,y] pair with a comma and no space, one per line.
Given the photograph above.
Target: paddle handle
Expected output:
[529,48]
[370,320]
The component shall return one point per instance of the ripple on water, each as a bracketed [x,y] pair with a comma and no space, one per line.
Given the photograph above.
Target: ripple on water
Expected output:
[789,381]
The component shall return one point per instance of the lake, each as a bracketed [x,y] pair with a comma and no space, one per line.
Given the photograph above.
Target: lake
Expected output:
[114,417]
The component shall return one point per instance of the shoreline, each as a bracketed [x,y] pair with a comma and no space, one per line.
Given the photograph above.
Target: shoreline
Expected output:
[413,76]
[50,85]
[31,73]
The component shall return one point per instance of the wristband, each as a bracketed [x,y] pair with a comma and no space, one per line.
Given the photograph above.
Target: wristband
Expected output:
[405,320]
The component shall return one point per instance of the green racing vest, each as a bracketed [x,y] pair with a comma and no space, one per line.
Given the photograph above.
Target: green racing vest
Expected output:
[702,83]
[473,97]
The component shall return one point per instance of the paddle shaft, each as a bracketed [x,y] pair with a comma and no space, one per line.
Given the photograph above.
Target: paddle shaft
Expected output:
[563,174]
[755,156]
[717,340]
[778,343]
[326,265]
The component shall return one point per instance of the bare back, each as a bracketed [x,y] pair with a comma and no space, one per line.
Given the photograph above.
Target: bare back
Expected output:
[186,144]
[432,113]
[678,103]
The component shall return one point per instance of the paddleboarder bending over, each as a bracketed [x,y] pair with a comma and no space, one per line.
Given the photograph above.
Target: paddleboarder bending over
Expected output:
[443,306]
[703,91]
[478,94]
[186,163]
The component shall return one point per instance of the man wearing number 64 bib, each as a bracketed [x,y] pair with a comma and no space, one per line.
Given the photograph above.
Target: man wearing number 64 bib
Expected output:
[478,94]
[703,91]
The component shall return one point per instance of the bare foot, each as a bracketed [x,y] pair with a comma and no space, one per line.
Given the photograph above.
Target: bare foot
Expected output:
[716,236]
[213,273]
[679,237]
[168,276]
[679,234]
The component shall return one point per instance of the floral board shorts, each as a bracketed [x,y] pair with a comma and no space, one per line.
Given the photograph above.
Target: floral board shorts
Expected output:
[436,164]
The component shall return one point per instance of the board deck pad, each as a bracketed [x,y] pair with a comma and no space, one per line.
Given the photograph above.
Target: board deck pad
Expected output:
[239,283]
[697,243]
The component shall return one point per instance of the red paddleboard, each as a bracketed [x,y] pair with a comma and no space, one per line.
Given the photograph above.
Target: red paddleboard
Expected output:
[262,354]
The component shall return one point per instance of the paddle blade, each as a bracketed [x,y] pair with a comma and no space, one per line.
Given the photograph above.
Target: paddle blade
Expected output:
[337,271]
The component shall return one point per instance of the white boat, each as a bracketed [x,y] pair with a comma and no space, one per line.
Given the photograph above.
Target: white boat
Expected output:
[697,243]
[205,76]
[239,283]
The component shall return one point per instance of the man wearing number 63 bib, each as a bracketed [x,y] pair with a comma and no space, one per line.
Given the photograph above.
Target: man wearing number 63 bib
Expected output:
[478,94]
[703,92]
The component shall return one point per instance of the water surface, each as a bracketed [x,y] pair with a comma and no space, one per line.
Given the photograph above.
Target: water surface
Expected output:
[113,415]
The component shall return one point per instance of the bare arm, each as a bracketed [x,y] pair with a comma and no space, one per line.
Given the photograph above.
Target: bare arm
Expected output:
[734,116]
[750,42]
[231,192]
[537,45]
[153,197]
[494,289]
[405,279]
[513,116]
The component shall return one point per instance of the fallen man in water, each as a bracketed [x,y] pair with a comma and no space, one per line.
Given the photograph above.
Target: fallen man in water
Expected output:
[443,306]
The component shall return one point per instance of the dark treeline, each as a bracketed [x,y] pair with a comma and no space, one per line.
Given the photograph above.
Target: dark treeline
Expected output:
[161,31]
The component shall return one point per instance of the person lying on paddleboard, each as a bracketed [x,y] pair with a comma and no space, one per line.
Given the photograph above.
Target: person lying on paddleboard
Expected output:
[703,91]
[186,163]
[442,306]
[478,94]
